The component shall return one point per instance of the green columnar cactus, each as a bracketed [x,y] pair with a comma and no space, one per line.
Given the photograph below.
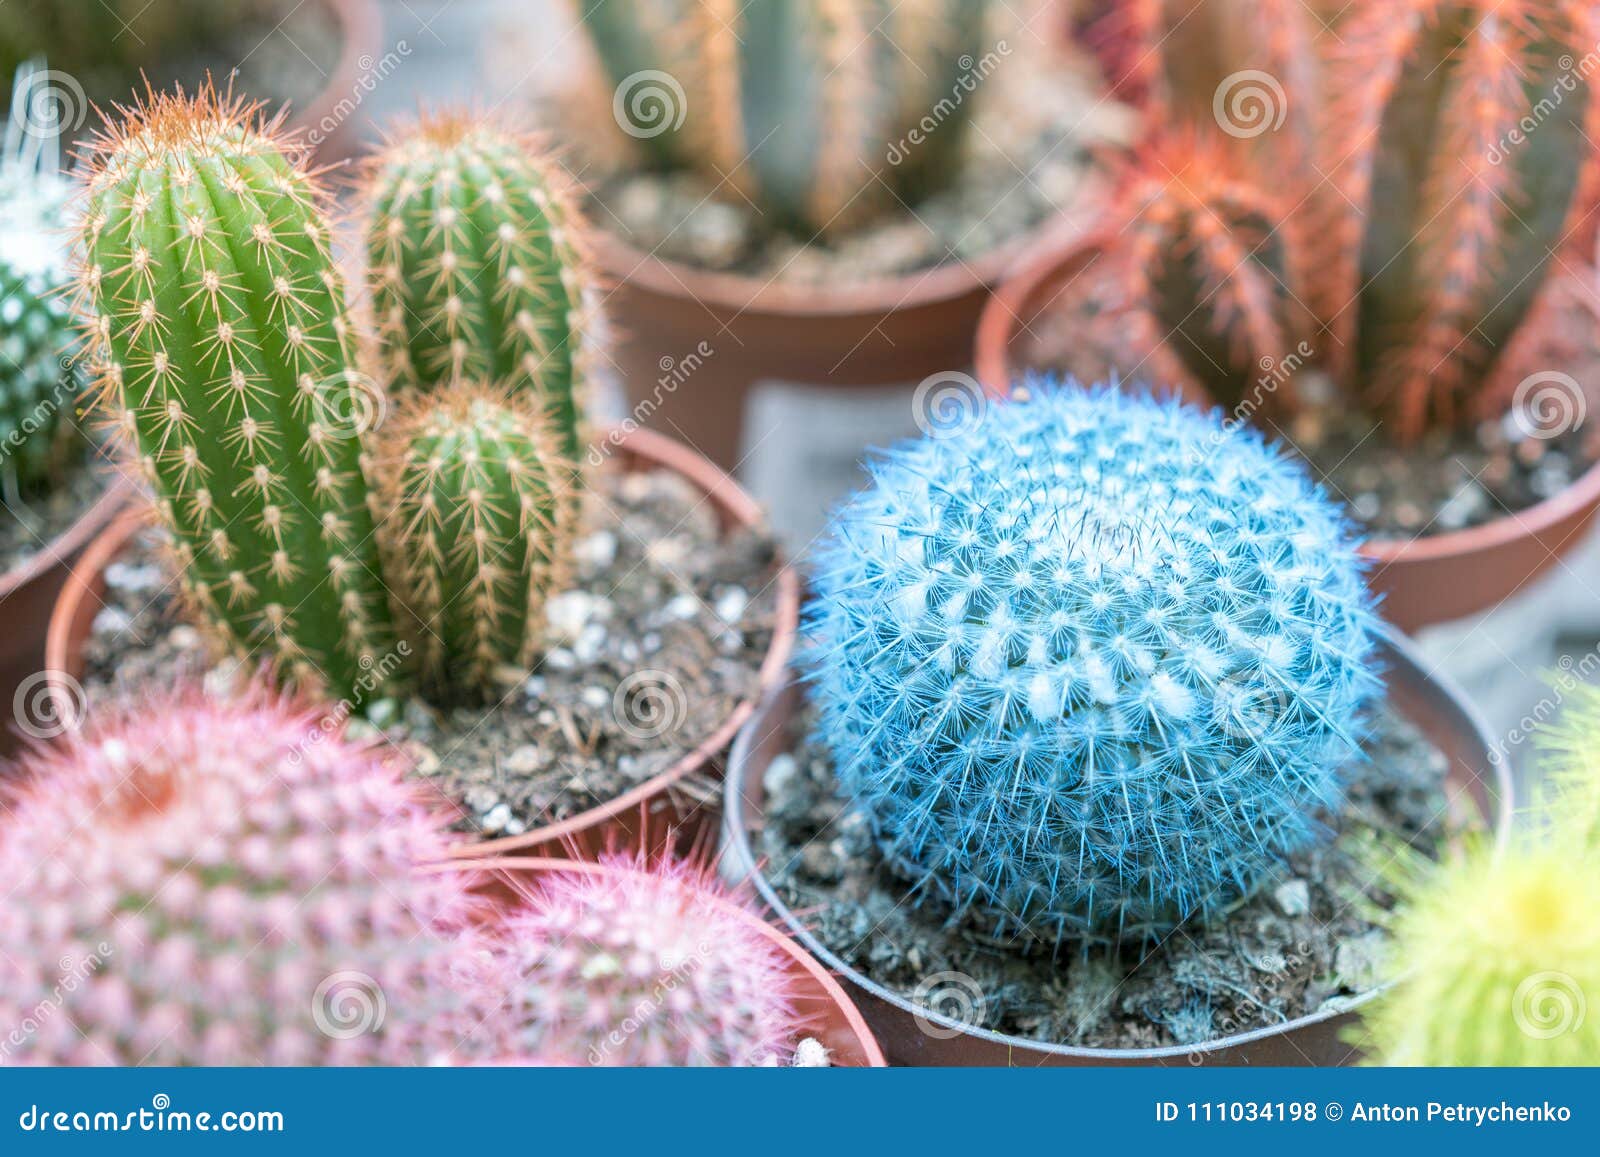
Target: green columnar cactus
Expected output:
[820,110]
[476,265]
[37,341]
[483,513]
[223,349]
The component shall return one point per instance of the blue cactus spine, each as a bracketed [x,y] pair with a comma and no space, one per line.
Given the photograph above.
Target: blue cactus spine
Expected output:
[1091,666]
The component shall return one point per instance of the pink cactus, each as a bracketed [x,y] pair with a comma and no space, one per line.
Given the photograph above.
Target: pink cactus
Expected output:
[199,882]
[628,966]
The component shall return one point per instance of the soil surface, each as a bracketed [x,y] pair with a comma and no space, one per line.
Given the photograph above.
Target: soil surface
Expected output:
[661,637]
[1026,158]
[1308,941]
[1452,480]
[28,525]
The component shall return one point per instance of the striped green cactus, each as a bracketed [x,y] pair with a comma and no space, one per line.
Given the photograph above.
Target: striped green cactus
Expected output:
[223,349]
[819,110]
[483,513]
[38,384]
[476,265]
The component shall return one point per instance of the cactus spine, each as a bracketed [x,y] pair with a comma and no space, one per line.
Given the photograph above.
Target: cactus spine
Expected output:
[482,517]
[799,103]
[477,267]
[38,383]
[223,347]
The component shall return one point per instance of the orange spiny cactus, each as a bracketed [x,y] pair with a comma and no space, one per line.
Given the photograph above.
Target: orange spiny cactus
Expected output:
[1248,64]
[1206,269]
[1459,150]
[1455,171]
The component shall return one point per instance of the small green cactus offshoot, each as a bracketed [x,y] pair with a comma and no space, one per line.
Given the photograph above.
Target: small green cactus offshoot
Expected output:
[223,350]
[38,384]
[476,265]
[482,517]
[801,105]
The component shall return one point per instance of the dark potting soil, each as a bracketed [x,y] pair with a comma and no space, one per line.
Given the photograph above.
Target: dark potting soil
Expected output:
[1307,941]
[660,638]
[1453,479]
[28,525]
[1027,158]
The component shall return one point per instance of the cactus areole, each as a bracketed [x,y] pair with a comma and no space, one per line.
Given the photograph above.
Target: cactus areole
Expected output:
[1092,665]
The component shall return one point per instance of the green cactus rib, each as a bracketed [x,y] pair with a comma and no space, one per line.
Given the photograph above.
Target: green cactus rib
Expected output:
[805,106]
[482,517]
[224,350]
[477,266]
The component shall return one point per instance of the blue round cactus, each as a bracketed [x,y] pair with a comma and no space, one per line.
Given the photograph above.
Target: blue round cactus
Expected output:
[1092,666]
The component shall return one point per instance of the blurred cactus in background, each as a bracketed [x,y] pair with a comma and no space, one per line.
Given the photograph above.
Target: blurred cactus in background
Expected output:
[83,36]
[229,884]
[643,966]
[38,341]
[1184,60]
[481,517]
[1454,148]
[807,107]
[226,358]
[1436,245]
[476,262]
[1497,955]
[1206,260]
[1093,665]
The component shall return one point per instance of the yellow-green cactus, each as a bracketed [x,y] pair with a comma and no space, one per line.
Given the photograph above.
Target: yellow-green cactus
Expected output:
[1498,958]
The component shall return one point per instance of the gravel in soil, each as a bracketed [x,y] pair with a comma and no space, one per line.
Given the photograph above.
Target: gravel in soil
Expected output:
[662,635]
[28,525]
[1308,941]
[1027,158]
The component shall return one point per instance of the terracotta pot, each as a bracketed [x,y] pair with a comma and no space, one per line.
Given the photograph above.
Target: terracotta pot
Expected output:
[652,814]
[1428,580]
[825,1010]
[330,124]
[894,331]
[27,596]
[1474,779]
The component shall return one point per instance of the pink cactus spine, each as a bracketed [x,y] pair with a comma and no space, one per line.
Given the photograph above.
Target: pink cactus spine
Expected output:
[205,883]
[639,966]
